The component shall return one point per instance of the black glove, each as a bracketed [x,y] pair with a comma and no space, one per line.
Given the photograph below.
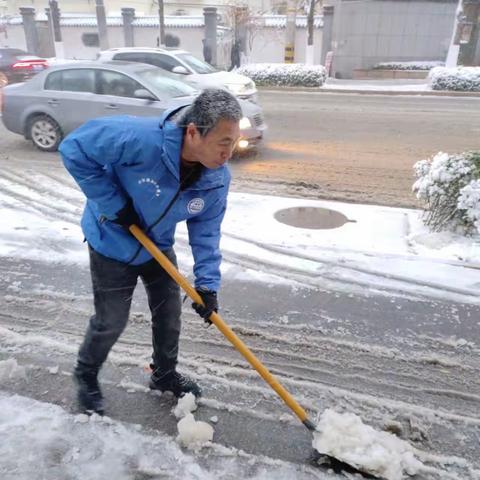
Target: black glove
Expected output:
[211,303]
[127,215]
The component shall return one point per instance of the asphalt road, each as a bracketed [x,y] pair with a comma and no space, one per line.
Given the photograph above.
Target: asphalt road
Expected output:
[358,148]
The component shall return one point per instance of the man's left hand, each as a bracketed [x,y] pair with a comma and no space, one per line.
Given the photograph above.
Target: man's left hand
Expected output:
[210,301]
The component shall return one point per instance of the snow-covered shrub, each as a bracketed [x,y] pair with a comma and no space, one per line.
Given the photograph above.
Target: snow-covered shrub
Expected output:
[407,65]
[465,79]
[450,187]
[469,201]
[285,74]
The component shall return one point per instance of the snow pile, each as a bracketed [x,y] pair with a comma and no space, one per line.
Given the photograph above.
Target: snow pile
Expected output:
[347,438]
[450,187]
[191,434]
[10,369]
[185,405]
[465,79]
[428,65]
[285,74]
[469,201]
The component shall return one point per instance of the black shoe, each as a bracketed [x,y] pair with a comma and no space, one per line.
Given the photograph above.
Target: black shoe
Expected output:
[174,382]
[89,394]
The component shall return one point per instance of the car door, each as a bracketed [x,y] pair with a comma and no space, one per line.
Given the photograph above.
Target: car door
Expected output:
[116,96]
[70,95]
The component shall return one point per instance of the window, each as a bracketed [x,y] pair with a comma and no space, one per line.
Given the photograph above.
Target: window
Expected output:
[197,65]
[163,61]
[91,39]
[118,84]
[75,80]
[163,85]
[130,57]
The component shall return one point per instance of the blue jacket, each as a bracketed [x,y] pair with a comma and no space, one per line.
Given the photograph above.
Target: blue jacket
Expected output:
[118,157]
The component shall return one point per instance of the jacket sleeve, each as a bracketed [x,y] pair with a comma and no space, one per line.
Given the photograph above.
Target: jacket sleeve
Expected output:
[204,237]
[86,152]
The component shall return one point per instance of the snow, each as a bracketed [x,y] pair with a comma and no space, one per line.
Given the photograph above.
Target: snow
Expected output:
[415,65]
[194,434]
[9,369]
[383,248]
[347,438]
[185,405]
[458,78]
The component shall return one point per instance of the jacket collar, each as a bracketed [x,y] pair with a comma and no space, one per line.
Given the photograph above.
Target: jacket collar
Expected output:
[171,150]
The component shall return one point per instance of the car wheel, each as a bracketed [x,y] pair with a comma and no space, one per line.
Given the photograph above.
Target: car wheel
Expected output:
[45,133]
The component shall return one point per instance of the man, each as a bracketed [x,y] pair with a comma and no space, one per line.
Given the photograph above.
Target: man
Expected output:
[153,173]
[235,55]
[207,51]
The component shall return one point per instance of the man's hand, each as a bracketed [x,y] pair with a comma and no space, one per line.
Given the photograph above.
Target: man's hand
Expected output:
[127,216]
[211,303]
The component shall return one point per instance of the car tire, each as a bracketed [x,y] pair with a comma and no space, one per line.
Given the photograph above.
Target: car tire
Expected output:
[45,133]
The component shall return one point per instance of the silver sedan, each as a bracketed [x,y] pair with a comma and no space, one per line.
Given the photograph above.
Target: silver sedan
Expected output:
[60,99]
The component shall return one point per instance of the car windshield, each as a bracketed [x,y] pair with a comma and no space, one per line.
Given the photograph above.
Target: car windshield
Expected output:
[197,65]
[164,85]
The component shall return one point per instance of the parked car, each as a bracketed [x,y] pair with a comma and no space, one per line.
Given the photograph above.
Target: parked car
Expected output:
[17,65]
[58,100]
[194,71]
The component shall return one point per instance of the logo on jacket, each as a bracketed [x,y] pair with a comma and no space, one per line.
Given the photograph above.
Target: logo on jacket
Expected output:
[196,205]
[152,182]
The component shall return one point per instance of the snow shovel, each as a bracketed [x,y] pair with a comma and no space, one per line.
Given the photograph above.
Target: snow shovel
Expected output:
[215,318]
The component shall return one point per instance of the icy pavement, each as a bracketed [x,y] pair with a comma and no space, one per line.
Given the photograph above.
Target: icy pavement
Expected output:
[379,248]
[377,318]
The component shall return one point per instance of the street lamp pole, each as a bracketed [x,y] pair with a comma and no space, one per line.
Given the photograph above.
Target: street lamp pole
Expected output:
[161,24]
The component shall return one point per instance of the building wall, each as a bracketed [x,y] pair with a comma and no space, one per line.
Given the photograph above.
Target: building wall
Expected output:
[268,43]
[142,7]
[368,32]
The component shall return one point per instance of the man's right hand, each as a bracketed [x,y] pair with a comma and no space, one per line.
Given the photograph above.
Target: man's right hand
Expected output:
[127,216]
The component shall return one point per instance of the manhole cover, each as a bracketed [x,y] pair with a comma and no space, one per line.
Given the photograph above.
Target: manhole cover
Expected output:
[311,217]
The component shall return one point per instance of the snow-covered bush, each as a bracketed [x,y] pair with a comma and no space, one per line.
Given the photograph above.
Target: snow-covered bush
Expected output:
[450,187]
[465,79]
[407,65]
[285,74]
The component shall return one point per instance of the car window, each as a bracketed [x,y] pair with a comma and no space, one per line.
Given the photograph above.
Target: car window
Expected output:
[130,57]
[118,84]
[197,65]
[163,61]
[164,86]
[75,80]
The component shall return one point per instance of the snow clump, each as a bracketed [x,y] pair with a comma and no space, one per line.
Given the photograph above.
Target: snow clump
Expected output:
[10,369]
[192,434]
[185,405]
[347,438]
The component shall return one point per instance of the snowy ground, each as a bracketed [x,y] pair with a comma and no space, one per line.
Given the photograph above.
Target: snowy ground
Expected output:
[378,85]
[377,318]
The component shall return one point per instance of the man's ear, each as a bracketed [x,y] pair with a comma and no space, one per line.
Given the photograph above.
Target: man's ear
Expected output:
[192,131]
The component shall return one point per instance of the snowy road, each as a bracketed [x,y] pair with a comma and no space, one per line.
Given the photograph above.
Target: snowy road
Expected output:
[402,357]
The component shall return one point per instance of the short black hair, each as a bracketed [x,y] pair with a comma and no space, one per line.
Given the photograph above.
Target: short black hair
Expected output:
[211,106]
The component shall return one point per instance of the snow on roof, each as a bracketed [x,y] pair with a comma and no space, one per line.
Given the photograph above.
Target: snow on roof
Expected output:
[172,21]
[85,20]
[280,21]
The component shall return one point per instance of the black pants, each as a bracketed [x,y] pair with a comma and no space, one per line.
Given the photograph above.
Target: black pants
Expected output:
[113,285]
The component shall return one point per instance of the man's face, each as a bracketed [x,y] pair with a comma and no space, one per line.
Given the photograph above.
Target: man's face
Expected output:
[215,148]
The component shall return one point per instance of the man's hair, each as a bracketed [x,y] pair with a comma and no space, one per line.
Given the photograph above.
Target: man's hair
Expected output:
[211,106]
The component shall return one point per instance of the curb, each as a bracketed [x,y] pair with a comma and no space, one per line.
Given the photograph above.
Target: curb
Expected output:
[426,93]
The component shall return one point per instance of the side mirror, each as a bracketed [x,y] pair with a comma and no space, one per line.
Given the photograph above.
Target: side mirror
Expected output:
[144,94]
[181,70]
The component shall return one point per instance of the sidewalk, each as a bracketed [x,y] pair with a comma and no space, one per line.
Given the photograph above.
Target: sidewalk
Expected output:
[377,87]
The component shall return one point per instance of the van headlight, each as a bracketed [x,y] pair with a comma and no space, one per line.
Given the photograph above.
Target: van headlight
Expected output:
[245,123]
